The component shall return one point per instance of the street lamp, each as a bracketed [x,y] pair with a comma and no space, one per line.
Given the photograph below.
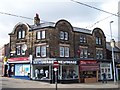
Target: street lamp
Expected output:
[112,42]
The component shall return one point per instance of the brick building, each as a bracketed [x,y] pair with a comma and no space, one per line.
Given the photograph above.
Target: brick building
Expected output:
[79,52]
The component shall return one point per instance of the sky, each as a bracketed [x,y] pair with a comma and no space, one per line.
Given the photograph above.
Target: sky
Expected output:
[53,10]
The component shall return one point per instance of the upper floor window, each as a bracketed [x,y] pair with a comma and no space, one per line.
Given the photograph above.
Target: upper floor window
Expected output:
[63,35]
[64,51]
[19,50]
[41,51]
[41,35]
[98,41]
[99,54]
[21,34]
[83,53]
[116,56]
[83,39]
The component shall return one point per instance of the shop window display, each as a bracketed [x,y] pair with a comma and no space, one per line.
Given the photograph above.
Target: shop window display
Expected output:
[42,73]
[88,74]
[69,73]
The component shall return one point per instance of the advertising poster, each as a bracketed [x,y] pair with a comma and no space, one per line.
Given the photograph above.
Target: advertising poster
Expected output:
[22,69]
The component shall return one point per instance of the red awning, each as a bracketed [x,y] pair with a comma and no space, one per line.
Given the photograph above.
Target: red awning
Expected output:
[18,59]
[89,68]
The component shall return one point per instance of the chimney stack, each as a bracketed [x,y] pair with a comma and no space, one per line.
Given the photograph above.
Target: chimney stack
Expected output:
[36,20]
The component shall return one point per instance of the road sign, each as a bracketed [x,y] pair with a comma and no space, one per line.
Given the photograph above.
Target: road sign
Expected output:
[56,64]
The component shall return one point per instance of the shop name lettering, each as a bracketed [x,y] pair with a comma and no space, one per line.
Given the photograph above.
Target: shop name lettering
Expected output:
[51,62]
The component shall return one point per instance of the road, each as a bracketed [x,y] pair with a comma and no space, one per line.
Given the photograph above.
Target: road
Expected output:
[6,82]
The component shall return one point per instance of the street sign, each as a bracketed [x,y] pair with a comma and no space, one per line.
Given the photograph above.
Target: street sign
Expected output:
[56,64]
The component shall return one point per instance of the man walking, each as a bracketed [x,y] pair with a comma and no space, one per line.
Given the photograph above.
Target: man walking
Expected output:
[104,78]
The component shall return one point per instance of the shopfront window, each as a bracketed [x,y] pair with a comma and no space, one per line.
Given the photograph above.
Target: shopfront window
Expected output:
[41,72]
[105,68]
[88,74]
[69,72]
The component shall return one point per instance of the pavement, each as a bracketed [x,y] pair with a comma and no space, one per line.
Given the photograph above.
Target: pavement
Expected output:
[7,82]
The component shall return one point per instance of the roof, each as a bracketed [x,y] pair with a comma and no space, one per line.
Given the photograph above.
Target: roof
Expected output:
[81,30]
[116,49]
[43,25]
[52,24]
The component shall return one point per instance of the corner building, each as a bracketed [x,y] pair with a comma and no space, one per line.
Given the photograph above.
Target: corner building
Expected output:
[34,48]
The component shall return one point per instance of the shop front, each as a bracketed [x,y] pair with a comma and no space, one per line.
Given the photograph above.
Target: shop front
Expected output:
[88,71]
[67,71]
[106,67]
[118,71]
[19,67]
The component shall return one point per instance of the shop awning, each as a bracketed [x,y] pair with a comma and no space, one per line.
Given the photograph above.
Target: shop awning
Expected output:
[89,68]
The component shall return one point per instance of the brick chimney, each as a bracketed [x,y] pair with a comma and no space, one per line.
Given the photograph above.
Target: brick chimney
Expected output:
[36,20]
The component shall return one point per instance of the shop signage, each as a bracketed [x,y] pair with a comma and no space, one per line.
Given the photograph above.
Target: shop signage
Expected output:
[86,62]
[18,59]
[52,61]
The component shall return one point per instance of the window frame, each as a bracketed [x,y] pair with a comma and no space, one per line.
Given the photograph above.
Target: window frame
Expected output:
[42,50]
[64,51]
[40,34]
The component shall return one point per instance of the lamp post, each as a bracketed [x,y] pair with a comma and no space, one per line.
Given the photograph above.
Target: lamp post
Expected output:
[112,42]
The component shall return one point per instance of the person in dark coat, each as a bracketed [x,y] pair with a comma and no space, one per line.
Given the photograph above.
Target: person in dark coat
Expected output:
[104,78]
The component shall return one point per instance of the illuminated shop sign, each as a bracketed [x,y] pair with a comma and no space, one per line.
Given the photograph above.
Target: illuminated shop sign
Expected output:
[51,62]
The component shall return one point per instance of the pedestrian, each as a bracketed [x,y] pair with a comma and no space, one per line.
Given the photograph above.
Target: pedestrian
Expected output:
[104,78]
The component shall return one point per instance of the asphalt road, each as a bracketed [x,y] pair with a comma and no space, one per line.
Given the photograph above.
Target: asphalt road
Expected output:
[8,83]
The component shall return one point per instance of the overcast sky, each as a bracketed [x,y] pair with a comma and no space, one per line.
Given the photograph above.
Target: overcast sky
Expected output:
[53,10]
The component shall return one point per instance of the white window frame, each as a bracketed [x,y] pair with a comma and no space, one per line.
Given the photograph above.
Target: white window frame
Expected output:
[83,53]
[38,50]
[38,35]
[43,34]
[66,35]
[61,35]
[66,52]
[18,50]
[61,51]
[43,51]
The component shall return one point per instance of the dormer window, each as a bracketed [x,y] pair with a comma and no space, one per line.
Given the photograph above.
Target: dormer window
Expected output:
[63,35]
[21,34]
[98,41]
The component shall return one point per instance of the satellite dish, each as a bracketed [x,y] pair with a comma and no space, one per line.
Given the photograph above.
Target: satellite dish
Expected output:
[24,47]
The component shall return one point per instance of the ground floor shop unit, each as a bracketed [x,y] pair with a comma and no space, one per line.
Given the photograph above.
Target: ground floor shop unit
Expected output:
[67,71]
[19,67]
[88,71]
[118,71]
[105,67]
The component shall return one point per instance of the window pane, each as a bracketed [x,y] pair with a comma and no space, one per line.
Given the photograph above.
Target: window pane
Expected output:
[66,36]
[23,34]
[19,34]
[66,52]
[97,40]
[81,39]
[61,51]
[43,51]
[81,54]
[100,42]
[38,51]
[61,35]
[38,35]
[43,34]
[85,53]
[18,50]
